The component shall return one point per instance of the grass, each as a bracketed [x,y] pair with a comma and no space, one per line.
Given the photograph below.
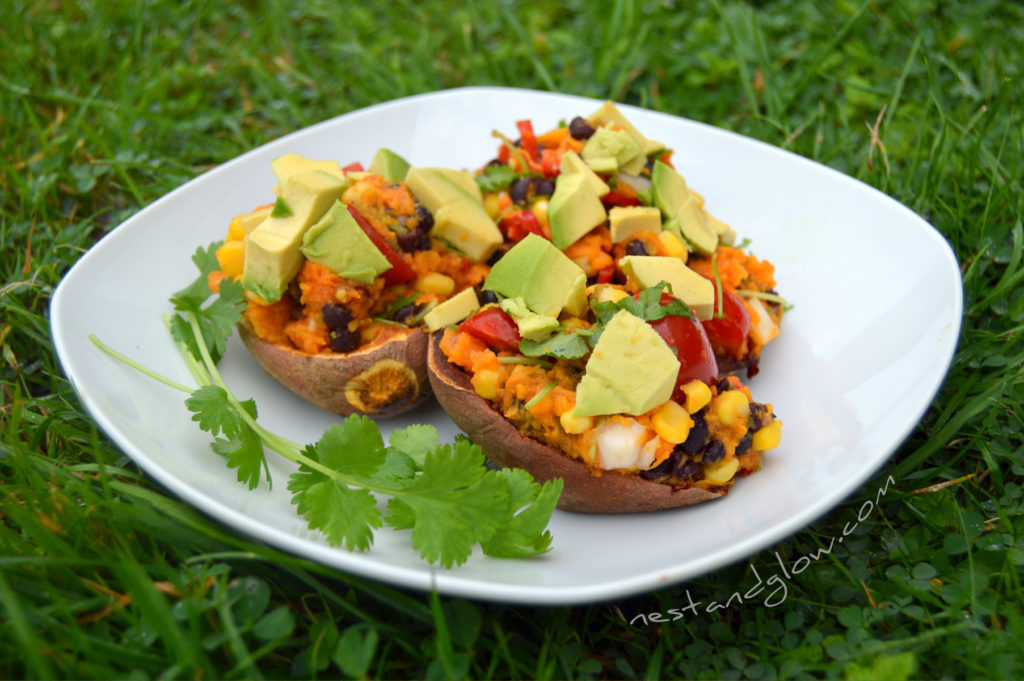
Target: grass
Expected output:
[104,107]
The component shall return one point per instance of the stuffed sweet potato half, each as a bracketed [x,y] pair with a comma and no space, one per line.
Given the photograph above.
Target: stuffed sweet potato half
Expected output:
[610,326]
[344,271]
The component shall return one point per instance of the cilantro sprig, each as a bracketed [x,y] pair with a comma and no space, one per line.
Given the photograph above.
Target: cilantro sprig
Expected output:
[351,482]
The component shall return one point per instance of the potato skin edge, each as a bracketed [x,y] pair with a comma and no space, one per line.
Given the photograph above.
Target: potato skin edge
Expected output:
[322,379]
[502,443]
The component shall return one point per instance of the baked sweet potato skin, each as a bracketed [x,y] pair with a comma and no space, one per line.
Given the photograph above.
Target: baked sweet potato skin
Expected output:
[502,443]
[381,380]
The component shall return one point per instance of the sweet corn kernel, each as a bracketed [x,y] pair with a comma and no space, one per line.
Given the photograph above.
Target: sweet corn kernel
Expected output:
[721,472]
[435,282]
[606,293]
[492,206]
[698,395]
[540,209]
[672,422]
[732,406]
[768,437]
[574,425]
[673,245]
[236,230]
[485,382]
[231,256]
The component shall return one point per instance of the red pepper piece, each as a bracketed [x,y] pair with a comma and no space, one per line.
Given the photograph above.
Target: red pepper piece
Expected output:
[400,271]
[516,226]
[617,197]
[527,140]
[355,167]
[606,274]
[494,327]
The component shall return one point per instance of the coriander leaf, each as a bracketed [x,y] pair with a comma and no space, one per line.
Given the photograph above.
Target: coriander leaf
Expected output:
[244,451]
[212,409]
[218,319]
[343,514]
[567,344]
[452,505]
[496,177]
[354,448]
[195,294]
[650,300]
[397,470]
[530,506]
[416,441]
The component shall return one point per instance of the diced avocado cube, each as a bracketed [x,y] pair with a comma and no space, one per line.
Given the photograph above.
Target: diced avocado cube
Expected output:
[572,164]
[625,221]
[631,370]
[272,249]
[608,113]
[452,311]
[338,243]
[574,209]
[389,165]
[544,277]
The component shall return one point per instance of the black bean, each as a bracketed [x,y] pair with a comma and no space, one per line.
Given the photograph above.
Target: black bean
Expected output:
[495,257]
[691,470]
[580,129]
[405,312]
[636,247]
[411,242]
[759,416]
[723,385]
[488,296]
[543,187]
[713,452]
[659,472]
[426,219]
[336,315]
[519,190]
[745,442]
[698,435]
[343,340]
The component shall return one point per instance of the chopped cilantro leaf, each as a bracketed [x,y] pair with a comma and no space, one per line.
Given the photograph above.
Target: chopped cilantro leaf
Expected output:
[496,177]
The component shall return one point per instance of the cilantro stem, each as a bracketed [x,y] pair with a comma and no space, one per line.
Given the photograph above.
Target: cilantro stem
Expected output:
[541,394]
[512,149]
[135,365]
[719,311]
[763,295]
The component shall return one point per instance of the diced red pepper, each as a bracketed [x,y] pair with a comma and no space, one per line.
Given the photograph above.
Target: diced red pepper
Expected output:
[550,162]
[400,271]
[730,326]
[606,274]
[504,154]
[515,226]
[494,327]
[355,167]
[617,197]
[527,140]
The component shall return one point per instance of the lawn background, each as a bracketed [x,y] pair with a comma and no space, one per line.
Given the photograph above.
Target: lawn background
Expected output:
[106,106]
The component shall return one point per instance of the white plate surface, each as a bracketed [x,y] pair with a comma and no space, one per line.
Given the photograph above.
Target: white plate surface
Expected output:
[876,297]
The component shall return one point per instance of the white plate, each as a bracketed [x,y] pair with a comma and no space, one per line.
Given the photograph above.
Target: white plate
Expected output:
[876,312]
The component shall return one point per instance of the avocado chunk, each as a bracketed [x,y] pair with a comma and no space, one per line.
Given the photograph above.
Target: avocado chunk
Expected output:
[460,218]
[574,209]
[572,164]
[338,243]
[682,213]
[610,114]
[609,151]
[453,310]
[631,370]
[532,326]
[272,250]
[544,277]
[289,165]
[726,234]
[650,270]
[625,221]
[389,165]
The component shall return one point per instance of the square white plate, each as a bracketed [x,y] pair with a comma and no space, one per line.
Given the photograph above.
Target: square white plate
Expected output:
[876,298]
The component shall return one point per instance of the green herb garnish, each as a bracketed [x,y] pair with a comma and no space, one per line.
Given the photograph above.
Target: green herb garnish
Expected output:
[444,494]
